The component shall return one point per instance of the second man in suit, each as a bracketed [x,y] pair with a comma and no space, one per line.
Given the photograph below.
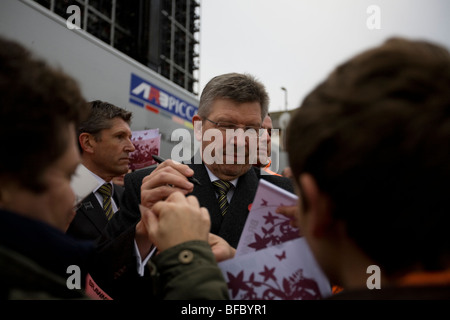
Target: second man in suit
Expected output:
[229,103]
[105,144]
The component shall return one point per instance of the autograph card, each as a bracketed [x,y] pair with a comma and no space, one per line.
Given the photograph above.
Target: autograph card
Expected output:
[146,142]
[287,271]
[264,227]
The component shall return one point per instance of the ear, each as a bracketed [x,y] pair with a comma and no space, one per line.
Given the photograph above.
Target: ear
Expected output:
[8,188]
[318,213]
[5,197]
[86,142]
[197,123]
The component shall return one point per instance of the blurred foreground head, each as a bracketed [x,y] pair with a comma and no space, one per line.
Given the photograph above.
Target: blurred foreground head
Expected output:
[374,138]
[40,108]
[36,101]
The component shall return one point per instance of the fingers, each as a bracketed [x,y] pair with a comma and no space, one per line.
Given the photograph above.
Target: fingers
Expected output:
[170,173]
[141,237]
[291,212]
[182,169]
[150,196]
[287,211]
[220,248]
[179,198]
[191,200]
[176,220]
[168,177]
[148,218]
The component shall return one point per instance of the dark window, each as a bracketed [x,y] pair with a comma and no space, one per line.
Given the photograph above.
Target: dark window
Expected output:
[161,34]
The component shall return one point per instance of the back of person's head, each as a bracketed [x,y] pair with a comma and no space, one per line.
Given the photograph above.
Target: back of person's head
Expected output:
[101,114]
[239,88]
[375,135]
[36,102]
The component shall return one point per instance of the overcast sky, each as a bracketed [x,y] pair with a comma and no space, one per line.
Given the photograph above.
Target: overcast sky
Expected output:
[296,43]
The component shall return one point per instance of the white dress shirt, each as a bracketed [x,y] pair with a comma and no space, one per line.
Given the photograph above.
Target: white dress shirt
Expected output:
[98,195]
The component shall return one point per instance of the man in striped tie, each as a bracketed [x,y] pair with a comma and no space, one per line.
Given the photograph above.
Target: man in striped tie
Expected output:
[105,142]
[230,104]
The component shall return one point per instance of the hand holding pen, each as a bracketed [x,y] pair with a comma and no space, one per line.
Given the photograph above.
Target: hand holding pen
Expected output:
[168,177]
[161,160]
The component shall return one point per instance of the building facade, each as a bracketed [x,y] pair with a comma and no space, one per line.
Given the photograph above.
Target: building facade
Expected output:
[163,35]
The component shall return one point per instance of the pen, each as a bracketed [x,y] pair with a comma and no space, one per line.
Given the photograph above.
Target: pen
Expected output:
[191,179]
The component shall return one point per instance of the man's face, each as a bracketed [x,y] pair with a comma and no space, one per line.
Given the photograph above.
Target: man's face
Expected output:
[265,144]
[234,164]
[112,149]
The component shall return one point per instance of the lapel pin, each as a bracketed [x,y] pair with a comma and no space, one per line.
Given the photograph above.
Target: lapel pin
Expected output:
[88,205]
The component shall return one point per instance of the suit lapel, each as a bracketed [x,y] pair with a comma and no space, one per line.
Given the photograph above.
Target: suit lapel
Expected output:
[93,212]
[117,196]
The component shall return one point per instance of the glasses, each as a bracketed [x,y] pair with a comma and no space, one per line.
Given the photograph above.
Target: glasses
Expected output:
[250,130]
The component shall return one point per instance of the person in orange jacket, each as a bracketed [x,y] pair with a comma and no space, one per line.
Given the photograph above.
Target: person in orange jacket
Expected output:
[265,147]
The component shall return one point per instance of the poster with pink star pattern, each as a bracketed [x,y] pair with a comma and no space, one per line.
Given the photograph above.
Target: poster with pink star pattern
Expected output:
[273,261]
[264,227]
[287,271]
[146,142]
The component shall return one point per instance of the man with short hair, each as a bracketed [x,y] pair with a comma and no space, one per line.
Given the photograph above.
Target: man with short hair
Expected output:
[105,143]
[232,108]
[369,150]
[264,160]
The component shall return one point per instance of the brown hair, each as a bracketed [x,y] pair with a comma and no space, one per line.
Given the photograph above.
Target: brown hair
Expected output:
[36,102]
[236,87]
[101,114]
[376,137]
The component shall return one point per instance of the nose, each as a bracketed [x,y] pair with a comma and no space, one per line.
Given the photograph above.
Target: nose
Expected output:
[265,137]
[130,146]
[240,139]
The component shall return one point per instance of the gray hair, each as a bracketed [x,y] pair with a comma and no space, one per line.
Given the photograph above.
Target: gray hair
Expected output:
[101,114]
[237,87]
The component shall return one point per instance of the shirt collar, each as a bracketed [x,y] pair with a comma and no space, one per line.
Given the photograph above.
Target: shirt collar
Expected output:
[99,180]
[213,177]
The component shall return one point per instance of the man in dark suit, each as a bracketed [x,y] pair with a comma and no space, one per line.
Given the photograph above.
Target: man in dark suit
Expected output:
[232,107]
[104,140]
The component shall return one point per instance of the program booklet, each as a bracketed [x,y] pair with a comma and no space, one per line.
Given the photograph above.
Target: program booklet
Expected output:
[272,260]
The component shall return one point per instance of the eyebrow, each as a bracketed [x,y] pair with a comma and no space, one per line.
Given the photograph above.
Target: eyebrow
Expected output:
[233,122]
[121,132]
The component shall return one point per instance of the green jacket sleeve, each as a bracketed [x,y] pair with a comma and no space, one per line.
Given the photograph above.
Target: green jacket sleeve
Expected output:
[187,272]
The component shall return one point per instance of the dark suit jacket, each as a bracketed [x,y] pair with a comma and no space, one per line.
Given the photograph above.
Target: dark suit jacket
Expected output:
[118,236]
[228,227]
[90,219]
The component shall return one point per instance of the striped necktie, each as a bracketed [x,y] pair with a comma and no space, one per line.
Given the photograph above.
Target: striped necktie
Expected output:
[106,192]
[222,188]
